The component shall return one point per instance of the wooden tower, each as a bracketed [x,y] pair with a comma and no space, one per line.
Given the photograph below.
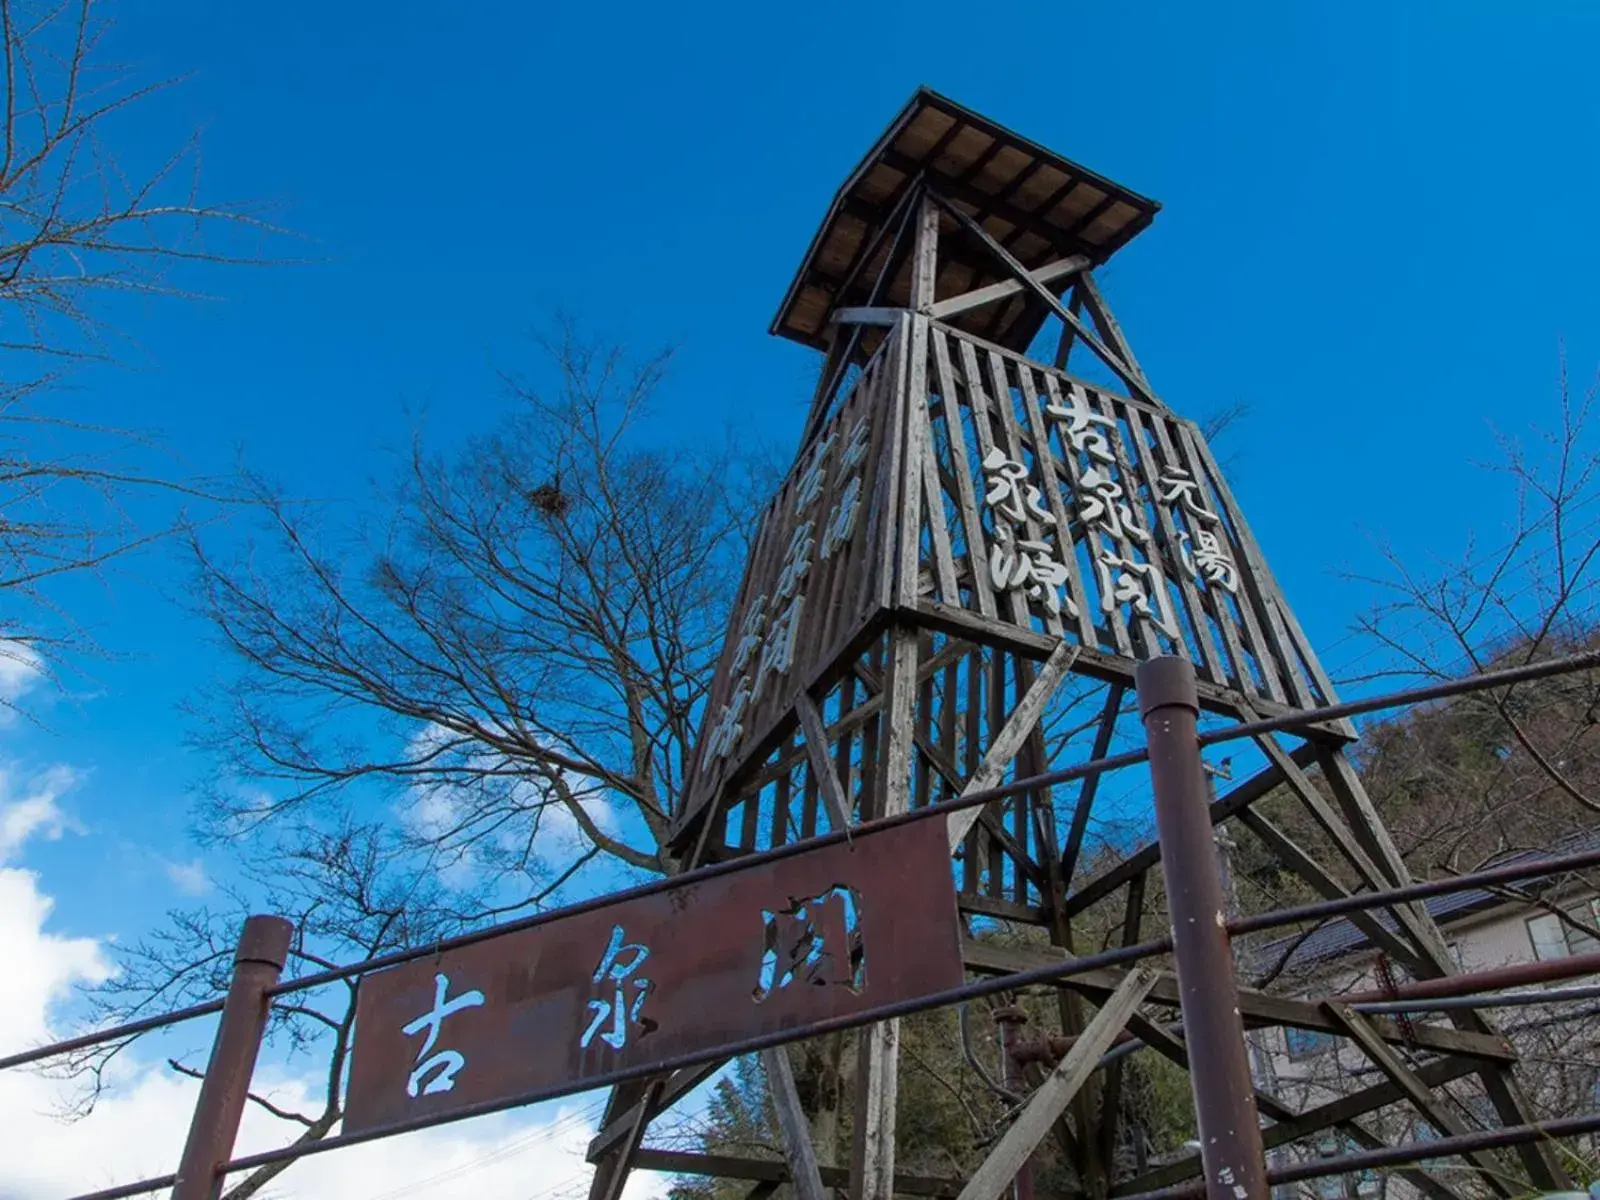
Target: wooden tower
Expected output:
[975,547]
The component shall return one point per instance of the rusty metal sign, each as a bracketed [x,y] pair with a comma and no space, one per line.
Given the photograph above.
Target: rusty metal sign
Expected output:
[534,1013]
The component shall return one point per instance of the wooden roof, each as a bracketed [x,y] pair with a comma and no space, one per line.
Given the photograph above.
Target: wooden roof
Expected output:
[1040,206]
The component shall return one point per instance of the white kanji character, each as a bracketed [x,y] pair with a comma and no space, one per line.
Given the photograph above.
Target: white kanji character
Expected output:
[1079,419]
[855,450]
[729,727]
[812,479]
[796,562]
[777,653]
[450,1061]
[842,522]
[615,969]
[749,634]
[1009,494]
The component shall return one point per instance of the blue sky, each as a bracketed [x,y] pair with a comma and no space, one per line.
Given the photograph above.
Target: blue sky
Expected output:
[1377,233]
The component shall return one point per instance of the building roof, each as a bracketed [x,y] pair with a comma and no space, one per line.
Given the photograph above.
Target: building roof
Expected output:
[1339,938]
[1041,206]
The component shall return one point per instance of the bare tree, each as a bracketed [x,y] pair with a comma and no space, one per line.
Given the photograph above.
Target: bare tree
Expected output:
[528,632]
[80,226]
[354,891]
[440,717]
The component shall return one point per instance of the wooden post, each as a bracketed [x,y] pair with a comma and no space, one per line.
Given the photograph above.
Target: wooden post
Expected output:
[1051,1098]
[257,962]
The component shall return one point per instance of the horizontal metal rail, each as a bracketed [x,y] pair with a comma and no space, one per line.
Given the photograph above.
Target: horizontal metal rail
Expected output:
[1582,991]
[1454,687]
[1394,1156]
[1047,973]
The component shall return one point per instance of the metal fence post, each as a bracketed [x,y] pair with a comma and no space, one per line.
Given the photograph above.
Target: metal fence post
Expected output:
[257,962]
[1219,1068]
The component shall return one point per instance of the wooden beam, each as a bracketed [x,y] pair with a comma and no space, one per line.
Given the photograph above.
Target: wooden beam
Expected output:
[1258,1008]
[1293,856]
[1147,856]
[798,1151]
[966,301]
[866,315]
[1399,1072]
[832,791]
[680,1084]
[1080,814]
[1045,296]
[1009,740]
[623,1158]
[1100,313]
[877,1091]
[1051,1098]
[766,1170]
[925,264]
[1340,1114]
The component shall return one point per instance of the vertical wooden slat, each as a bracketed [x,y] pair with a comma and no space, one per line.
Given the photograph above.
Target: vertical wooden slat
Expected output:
[973,875]
[1118,622]
[1004,407]
[1194,612]
[963,466]
[980,405]
[1274,646]
[1213,601]
[933,497]
[1066,514]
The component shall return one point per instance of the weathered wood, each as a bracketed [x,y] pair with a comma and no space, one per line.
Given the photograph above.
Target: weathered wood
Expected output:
[798,1151]
[1005,744]
[979,404]
[1086,791]
[1166,520]
[1010,440]
[1100,313]
[1069,333]
[1051,1098]
[766,1170]
[1045,296]
[816,749]
[1148,855]
[966,496]
[925,260]
[1120,625]
[678,1085]
[1419,928]
[1386,1060]
[944,565]
[1292,855]
[977,298]
[1336,1114]
[1065,515]
[877,1087]
[1215,602]
[609,1186]
[863,315]
[1258,1008]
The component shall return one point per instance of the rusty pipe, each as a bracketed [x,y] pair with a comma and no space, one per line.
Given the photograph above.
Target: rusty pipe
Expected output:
[257,962]
[1219,1067]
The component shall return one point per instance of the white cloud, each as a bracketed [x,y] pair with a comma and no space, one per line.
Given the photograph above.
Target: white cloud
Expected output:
[190,878]
[433,809]
[21,669]
[138,1127]
[36,811]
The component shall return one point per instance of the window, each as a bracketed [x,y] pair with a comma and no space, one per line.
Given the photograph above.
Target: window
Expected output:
[1303,1043]
[1554,938]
